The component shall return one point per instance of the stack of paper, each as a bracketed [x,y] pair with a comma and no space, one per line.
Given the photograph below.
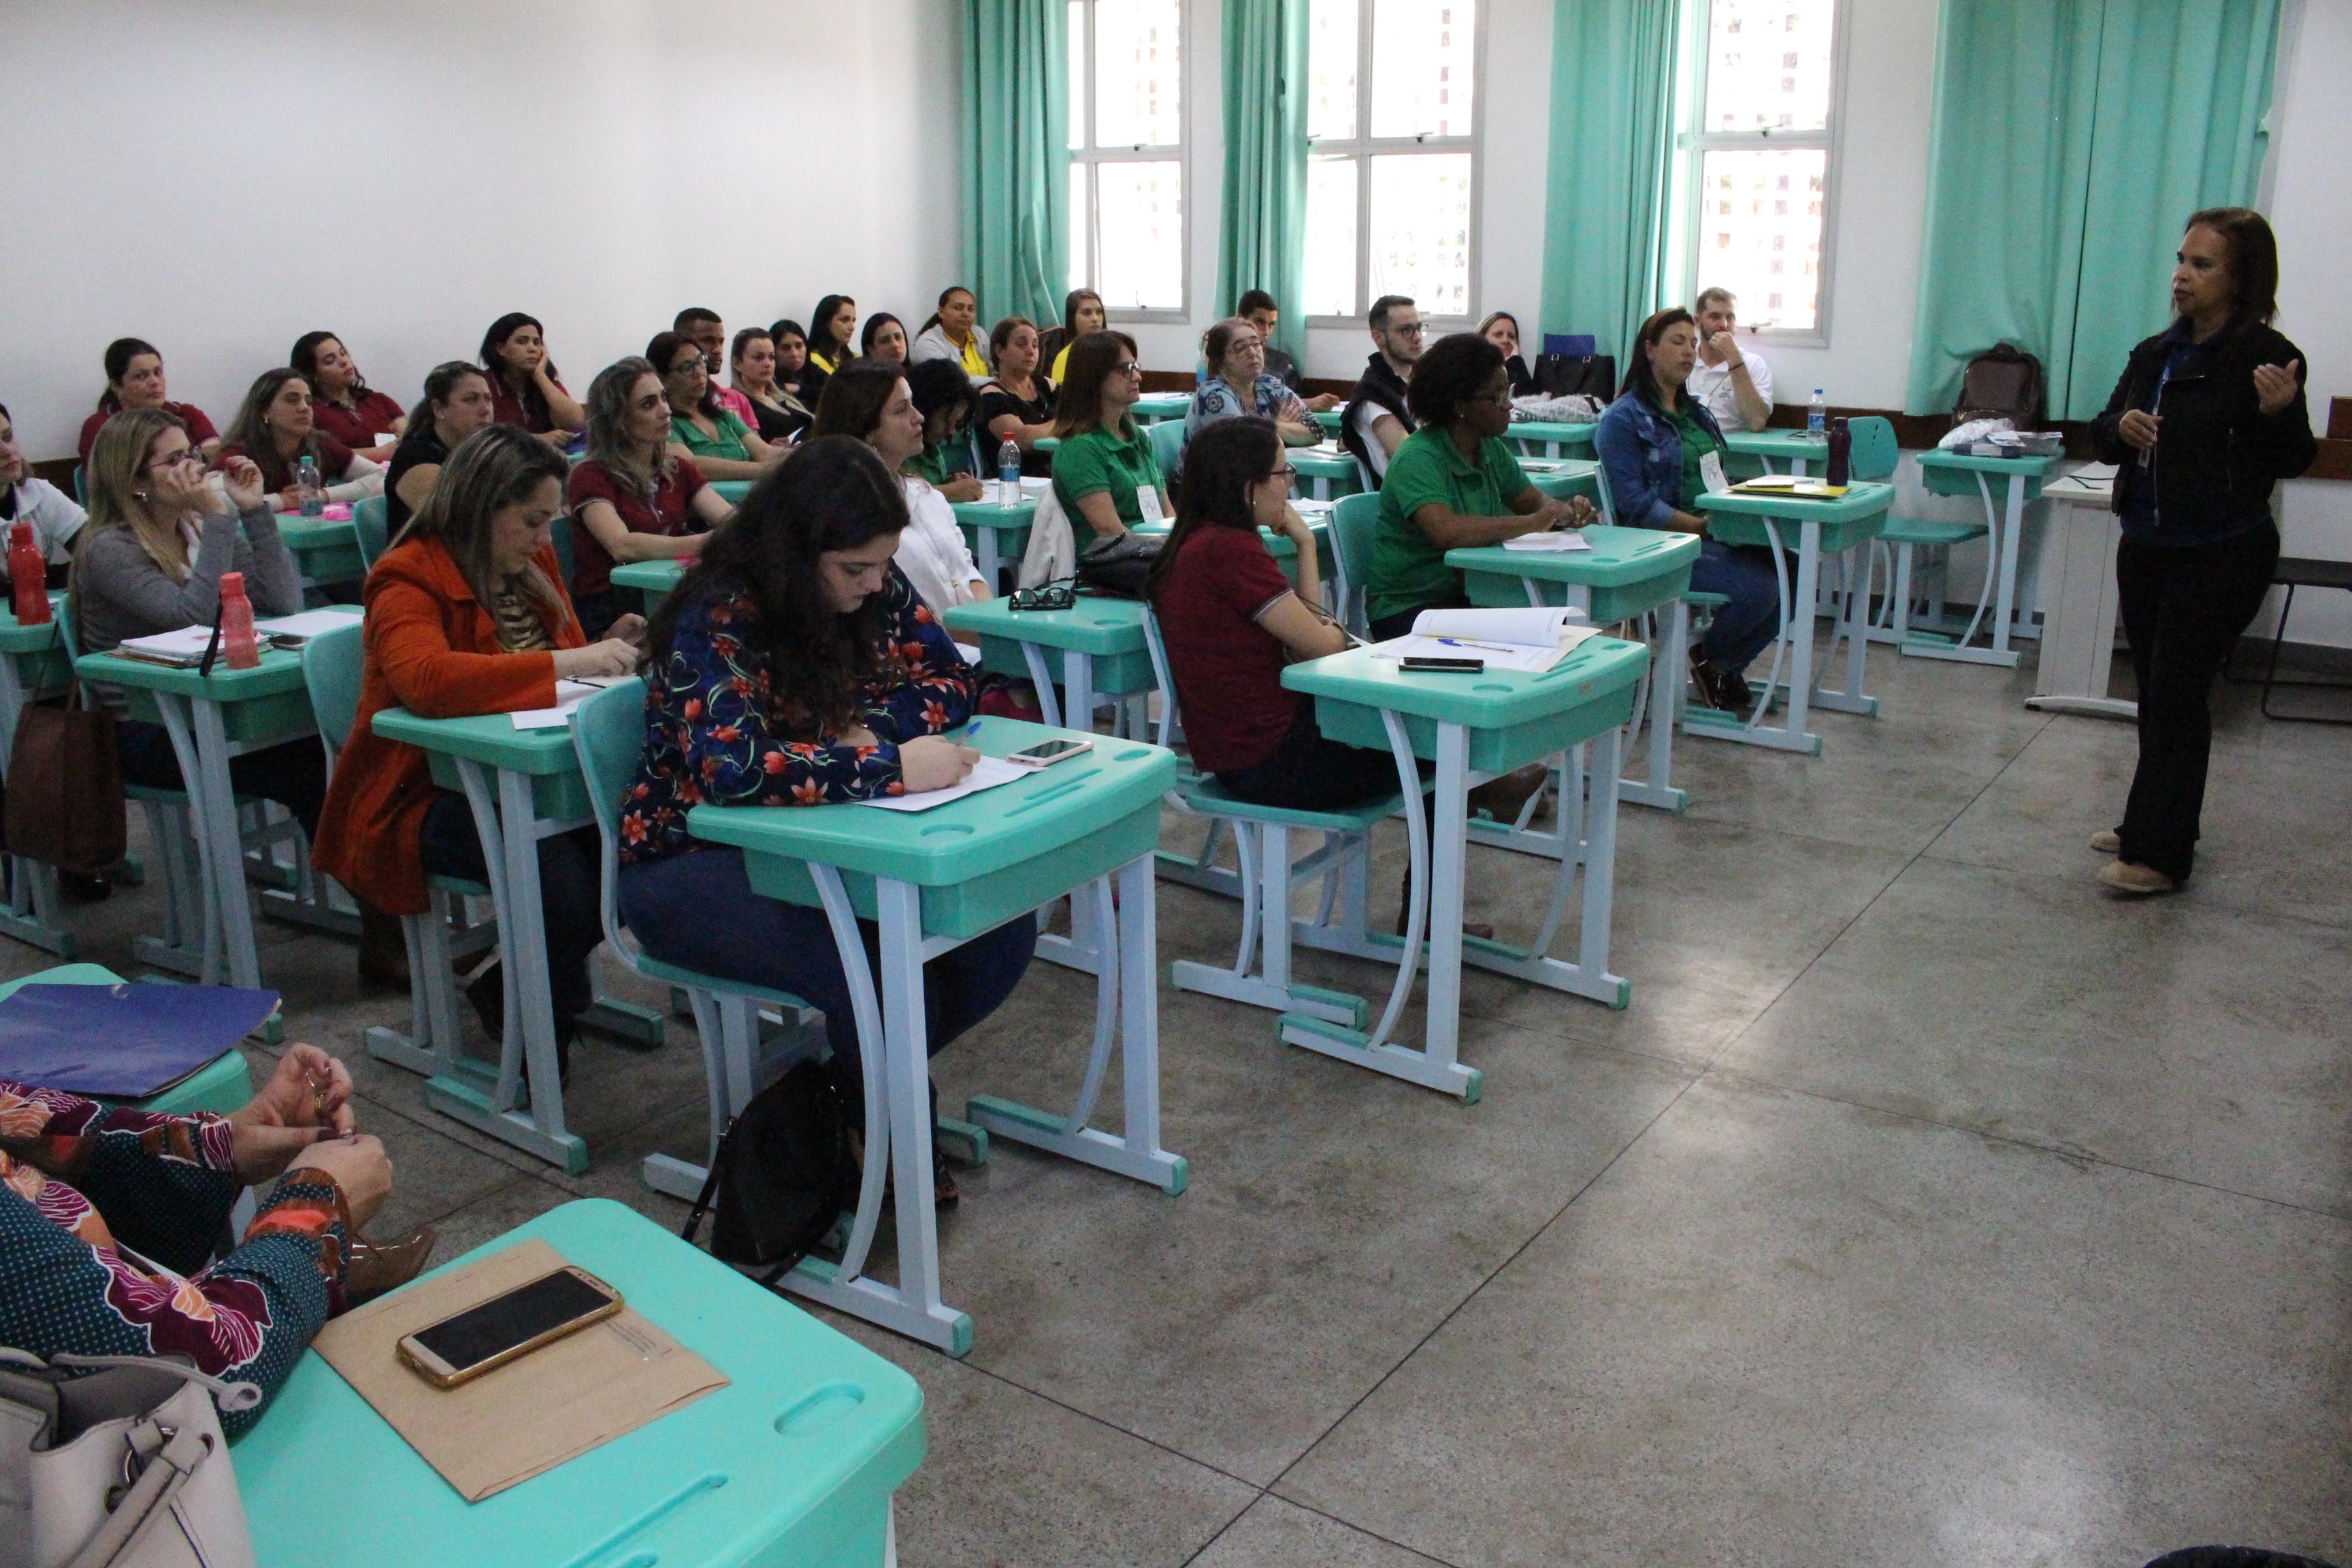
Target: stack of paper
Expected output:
[1789,485]
[1530,641]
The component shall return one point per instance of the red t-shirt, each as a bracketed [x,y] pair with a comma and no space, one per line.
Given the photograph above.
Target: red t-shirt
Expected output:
[367,423]
[670,511]
[1228,668]
[200,429]
[277,474]
[509,409]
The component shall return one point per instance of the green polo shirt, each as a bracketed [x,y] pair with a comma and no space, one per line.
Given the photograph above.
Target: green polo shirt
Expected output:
[1696,444]
[727,444]
[1099,463]
[1408,568]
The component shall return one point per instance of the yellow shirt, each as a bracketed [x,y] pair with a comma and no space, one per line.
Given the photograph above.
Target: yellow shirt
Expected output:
[974,362]
[1061,364]
[822,363]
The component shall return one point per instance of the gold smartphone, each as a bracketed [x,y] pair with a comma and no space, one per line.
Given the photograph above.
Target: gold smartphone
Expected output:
[482,1338]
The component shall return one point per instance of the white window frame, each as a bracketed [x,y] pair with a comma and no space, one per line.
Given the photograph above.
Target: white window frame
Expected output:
[1363,147]
[1092,157]
[1694,142]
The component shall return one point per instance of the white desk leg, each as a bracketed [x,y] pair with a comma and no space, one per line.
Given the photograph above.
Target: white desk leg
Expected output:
[1048,704]
[1600,864]
[1078,677]
[2012,533]
[985,556]
[1799,627]
[202,746]
[1447,857]
[907,1080]
[1666,712]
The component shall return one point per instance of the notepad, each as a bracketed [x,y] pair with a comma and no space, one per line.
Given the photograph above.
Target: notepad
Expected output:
[125,1041]
[986,773]
[1789,485]
[293,631]
[1530,641]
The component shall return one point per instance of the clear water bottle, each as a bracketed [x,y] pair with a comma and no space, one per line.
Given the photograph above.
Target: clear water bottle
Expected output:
[1817,416]
[312,494]
[1008,474]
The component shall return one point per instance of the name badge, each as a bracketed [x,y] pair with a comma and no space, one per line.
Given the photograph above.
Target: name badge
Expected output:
[1710,470]
[1147,497]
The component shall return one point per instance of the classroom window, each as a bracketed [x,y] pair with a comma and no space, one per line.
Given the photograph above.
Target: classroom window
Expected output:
[1392,114]
[1127,153]
[1760,130]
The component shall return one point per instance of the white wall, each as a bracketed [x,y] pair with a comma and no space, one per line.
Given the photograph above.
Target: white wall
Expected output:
[219,176]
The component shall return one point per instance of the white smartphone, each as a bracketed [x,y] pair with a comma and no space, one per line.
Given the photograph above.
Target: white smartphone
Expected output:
[1045,754]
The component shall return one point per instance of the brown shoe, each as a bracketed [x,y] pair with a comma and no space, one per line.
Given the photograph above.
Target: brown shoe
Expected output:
[383,951]
[2107,841]
[2139,881]
[1478,929]
[1503,798]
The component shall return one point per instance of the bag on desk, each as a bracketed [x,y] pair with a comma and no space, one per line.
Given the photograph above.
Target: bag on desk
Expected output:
[782,1176]
[1117,566]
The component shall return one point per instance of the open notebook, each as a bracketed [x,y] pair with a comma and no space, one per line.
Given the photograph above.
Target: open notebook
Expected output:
[1530,641]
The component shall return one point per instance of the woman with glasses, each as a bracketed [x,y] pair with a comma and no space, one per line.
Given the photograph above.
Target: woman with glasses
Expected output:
[523,382]
[717,442]
[1104,468]
[151,559]
[134,379]
[346,407]
[1453,485]
[1238,383]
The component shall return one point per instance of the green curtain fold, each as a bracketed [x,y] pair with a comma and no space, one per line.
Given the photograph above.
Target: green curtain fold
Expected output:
[1611,161]
[1016,242]
[1262,242]
[2069,139]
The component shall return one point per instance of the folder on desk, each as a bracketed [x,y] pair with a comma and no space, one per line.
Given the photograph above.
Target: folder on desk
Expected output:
[125,1041]
[1789,485]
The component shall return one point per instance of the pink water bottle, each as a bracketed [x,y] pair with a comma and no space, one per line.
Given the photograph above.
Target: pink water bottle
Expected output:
[28,574]
[238,644]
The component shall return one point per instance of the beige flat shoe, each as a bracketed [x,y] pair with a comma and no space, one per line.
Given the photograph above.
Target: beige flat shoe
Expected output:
[2126,877]
[2107,841]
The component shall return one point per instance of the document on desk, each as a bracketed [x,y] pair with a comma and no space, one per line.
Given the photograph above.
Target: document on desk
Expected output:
[986,773]
[569,694]
[1530,641]
[309,623]
[530,1416]
[1549,541]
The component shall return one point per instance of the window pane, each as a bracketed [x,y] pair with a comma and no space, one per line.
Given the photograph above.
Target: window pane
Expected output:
[1142,233]
[1421,230]
[1331,69]
[1082,261]
[1768,65]
[1768,257]
[1330,236]
[1077,51]
[1422,68]
[1138,100]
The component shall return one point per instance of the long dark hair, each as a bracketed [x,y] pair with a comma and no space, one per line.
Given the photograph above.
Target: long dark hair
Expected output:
[533,401]
[118,355]
[304,357]
[662,354]
[874,324]
[946,295]
[250,430]
[439,383]
[1221,463]
[820,325]
[2253,261]
[1639,379]
[854,398]
[1081,405]
[497,466]
[831,492]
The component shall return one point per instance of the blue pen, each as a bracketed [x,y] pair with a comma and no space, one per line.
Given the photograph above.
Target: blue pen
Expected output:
[972,730]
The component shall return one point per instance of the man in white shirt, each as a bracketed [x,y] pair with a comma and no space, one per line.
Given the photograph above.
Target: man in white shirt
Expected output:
[1377,421]
[1734,383]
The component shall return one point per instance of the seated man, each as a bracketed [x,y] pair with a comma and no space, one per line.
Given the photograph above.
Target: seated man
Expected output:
[702,327]
[1734,383]
[1257,308]
[1377,421]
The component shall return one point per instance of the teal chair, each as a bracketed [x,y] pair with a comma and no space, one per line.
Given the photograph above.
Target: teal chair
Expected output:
[1167,440]
[1353,519]
[372,519]
[81,486]
[332,665]
[561,530]
[1875,455]
[608,731]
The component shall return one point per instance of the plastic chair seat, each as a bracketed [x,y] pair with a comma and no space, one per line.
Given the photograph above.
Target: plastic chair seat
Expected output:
[653,968]
[1707,600]
[162,796]
[1211,798]
[1921,530]
[459,886]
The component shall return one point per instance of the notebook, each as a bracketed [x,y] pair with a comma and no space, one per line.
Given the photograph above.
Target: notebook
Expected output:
[125,1041]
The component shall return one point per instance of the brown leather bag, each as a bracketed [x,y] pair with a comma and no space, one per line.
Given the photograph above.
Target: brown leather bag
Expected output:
[65,786]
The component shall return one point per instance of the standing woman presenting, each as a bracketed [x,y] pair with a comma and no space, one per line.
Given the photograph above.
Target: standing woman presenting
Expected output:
[2208,417]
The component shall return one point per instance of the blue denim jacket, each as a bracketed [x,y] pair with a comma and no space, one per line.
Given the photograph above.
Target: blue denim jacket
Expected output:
[1641,454]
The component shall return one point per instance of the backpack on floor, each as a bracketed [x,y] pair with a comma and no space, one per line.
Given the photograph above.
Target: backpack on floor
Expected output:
[782,1176]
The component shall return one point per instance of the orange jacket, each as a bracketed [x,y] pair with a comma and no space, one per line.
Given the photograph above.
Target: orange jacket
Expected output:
[433,650]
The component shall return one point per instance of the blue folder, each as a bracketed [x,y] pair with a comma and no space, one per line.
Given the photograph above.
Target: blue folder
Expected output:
[125,1041]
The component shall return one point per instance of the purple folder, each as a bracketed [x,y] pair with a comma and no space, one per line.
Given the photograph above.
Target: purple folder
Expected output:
[125,1041]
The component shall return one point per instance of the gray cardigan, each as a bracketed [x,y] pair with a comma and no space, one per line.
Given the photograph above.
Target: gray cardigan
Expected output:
[120,592]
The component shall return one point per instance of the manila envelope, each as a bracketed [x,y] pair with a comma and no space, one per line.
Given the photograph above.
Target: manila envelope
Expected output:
[531,1415]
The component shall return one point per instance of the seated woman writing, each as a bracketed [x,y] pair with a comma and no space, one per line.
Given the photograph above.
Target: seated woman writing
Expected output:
[946,460]
[346,407]
[1653,441]
[466,616]
[107,1219]
[720,443]
[1104,467]
[523,382]
[752,369]
[1453,485]
[1018,405]
[1238,384]
[792,666]
[275,427]
[877,407]
[160,536]
[457,403]
[631,497]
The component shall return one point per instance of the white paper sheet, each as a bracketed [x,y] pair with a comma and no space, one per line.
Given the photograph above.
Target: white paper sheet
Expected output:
[986,773]
[1549,542]
[309,623]
[188,642]
[569,694]
[1530,627]
[1710,469]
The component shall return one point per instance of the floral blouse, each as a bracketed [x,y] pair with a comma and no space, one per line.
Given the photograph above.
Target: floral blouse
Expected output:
[1269,399]
[714,736]
[83,1185]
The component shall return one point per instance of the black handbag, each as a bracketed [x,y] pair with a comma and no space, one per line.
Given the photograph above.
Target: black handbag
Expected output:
[1117,566]
[1589,375]
[782,1176]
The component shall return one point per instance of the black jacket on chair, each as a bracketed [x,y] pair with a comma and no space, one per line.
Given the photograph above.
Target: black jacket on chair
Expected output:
[2220,454]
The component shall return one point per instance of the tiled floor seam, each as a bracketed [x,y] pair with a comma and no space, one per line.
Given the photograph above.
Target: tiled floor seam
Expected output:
[1319,1513]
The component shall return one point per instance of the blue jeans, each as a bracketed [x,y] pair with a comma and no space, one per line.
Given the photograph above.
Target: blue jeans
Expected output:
[1745,626]
[697,911]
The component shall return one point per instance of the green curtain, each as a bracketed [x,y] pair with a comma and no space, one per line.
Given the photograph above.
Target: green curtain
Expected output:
[1611,139]
[2069,139]
[1262,242]
[1016,244]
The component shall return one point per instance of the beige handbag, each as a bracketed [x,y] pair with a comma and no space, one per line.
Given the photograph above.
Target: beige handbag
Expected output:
[120,1467]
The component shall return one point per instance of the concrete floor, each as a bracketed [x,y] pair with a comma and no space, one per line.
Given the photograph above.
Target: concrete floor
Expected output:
[1927,1206]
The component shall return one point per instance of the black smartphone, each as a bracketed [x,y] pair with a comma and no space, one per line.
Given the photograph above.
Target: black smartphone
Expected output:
[480,1338]
[1444,666]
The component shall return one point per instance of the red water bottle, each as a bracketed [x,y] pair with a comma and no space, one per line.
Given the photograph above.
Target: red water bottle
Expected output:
[28,574]
[238,644]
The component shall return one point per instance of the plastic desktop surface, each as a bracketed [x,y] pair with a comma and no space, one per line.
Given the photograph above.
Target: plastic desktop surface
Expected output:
[1512,716]
[654,579]
[792,1465]
[1562,477]
[327,549]
[1955,474]
[1627,570]
[1575,436]
[221,1085]
[267,702]
[1790,446]
[995,514]
[39,650]
[1109,629]
[981,860]
[559,793]
[731,491]
[1846,520]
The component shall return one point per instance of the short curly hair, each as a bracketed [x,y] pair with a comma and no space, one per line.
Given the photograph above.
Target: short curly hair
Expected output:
[1449,375]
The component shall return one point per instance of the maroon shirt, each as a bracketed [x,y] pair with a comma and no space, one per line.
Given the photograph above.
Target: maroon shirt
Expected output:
[510,409]
[1228,668]
[200,429]
[277,473]
[367,423]
[669,510]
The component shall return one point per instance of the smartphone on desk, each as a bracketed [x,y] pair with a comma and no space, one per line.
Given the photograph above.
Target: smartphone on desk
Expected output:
[1421,666]
[482,1338]
[1045,754]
